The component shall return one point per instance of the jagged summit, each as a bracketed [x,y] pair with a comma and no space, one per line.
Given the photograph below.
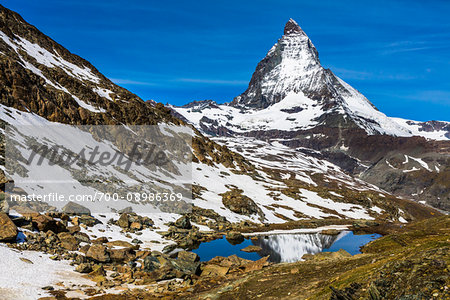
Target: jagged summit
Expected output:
[292,27]
[292,64]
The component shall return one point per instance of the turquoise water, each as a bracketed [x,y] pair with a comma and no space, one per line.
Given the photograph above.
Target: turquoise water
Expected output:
[221,247]
[286,247]
[352,243]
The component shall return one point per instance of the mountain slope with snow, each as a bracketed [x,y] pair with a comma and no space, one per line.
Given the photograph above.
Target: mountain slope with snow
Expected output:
[292,100]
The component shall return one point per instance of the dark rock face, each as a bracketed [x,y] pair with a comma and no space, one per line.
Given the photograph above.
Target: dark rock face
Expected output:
[292,28]
[51,93]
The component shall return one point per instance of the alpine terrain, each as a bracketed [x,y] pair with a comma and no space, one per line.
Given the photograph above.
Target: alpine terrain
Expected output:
[299,150]
[292,101]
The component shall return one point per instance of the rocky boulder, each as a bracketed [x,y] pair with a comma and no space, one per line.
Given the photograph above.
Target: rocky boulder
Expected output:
[187,262]
[132,222]
[188,256]
[123,221]
[238,203]
[45,223]
[184,223]
[234,237]
[82,237]
[99,253]
[73,208]
[212,270]
[86,220]
[8,231]
[126,210]
[122,255]
[251,248]
[68,241]
[4,206]
[151,263]
[161,266]
[84,268]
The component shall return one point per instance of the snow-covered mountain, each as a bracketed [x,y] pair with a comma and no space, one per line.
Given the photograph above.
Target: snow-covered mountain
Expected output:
[43,84]
[291,99]
[290,90]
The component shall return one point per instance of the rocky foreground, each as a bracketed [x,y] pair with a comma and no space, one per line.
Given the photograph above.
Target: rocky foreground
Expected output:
[410,260]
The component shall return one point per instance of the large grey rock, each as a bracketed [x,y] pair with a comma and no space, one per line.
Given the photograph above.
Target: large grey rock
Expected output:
[151,264]
[76,209]
[126,210]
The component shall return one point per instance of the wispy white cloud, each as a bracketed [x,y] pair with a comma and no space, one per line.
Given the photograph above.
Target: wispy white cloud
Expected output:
[363,75]
[421,43]
[408,49]
[213,81]
[436,96]
[168,81]
[131,82]
[441,97]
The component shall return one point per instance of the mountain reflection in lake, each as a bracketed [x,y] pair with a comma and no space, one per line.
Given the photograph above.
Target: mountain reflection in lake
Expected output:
[291,247]
[286,247]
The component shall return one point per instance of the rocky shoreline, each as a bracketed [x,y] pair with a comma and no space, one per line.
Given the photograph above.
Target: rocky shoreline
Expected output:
[129,268]
[111,264]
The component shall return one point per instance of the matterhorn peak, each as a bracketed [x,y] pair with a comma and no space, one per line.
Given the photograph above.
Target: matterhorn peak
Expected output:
[292,27]
[291,65]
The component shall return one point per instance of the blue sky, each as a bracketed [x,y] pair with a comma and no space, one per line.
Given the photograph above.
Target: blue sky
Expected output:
[397,53]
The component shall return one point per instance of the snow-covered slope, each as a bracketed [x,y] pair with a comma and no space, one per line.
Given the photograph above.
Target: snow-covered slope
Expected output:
[276,116]
[266,188]
[24,274]
[433,130]
[41,56]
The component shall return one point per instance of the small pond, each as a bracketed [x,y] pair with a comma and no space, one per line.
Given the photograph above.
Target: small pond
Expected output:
[286,247]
